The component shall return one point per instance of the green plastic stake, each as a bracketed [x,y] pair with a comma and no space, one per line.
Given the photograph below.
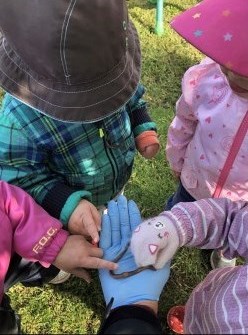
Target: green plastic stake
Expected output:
[159,27]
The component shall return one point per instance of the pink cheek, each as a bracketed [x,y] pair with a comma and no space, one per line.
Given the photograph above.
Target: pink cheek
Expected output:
[166,234]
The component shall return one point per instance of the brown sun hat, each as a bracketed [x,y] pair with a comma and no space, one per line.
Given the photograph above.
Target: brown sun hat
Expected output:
[76,60]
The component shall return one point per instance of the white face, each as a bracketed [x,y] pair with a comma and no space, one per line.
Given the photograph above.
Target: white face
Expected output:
[238,84]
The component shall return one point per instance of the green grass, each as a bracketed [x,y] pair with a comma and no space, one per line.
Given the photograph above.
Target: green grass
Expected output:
[76,307]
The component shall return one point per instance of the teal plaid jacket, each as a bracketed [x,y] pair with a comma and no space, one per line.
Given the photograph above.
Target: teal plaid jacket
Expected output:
[59,163]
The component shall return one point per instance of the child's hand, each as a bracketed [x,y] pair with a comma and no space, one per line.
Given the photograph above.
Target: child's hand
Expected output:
[77,253]
[147,144]
[154,242]
[85,220]
[150,151]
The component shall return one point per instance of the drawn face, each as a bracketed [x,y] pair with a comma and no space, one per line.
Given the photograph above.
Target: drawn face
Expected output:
[238,84]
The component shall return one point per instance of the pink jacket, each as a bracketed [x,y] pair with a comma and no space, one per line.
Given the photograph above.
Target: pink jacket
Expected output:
[219,304]
[27,230]
[206,140]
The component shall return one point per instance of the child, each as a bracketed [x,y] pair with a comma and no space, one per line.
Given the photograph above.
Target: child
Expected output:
[28,231]
[218,305]
[74,108]
[207,142]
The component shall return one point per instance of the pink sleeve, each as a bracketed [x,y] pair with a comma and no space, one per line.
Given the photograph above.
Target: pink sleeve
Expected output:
[182,128]
[213,224]
[35,234]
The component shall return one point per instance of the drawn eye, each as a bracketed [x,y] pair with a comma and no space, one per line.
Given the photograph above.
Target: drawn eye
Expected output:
[159,225]
[160,236]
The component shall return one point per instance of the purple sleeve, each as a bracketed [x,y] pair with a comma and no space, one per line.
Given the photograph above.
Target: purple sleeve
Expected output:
[213,224]
[218,305]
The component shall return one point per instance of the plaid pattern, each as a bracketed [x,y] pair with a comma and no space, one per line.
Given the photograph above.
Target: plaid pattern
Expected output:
[43,155]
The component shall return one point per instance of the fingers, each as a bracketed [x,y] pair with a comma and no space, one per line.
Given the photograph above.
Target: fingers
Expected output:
[82,273]
[164,256]
[134,214]
[96,217]
[113,214]
[99,263]
[105,236]
[124,217]
[94,260]
[91,228]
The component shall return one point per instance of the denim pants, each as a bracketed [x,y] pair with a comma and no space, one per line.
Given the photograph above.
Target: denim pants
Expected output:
[181,195]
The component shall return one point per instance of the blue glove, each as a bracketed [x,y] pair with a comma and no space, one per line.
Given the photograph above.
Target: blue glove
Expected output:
[117,225]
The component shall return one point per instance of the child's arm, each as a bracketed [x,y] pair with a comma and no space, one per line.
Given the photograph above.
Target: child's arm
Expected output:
[207,224]
[31,232]
[29,159]
[28,226]
[143,128]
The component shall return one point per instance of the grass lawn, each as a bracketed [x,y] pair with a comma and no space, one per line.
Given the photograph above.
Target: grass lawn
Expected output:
[76,307]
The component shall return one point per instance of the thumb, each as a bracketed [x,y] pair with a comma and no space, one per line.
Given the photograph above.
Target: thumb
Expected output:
[81,273]
[165,255]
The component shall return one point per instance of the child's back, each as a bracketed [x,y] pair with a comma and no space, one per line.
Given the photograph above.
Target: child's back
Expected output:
[210,119]
[207,142]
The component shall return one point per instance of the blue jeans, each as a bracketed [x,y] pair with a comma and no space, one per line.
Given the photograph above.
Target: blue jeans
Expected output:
[181,195]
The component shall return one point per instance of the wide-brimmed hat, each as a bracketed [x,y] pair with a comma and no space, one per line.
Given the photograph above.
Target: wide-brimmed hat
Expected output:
[219,29]
[76,60]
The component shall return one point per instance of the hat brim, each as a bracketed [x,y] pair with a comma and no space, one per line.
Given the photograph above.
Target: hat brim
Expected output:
[207,24]
[75,103]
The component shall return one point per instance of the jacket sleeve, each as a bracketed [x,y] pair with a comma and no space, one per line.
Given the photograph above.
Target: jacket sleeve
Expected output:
[138,113]
[182,128]
[130,319]
[31,231]
[26,164]
[213,224]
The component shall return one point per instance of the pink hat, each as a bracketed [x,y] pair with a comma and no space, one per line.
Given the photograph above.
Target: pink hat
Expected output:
[219,29]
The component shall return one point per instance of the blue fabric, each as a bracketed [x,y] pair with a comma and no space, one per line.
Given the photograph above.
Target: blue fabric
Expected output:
[181,195]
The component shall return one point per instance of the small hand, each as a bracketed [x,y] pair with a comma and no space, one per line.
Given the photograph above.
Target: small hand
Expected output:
[150,151]
[147,143]
[85,220]
[77,254]
[154,242]
[123,216]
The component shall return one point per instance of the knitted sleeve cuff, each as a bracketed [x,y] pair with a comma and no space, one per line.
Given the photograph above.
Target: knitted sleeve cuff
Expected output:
[131,319]
[71,203]
[139,116]
[56,198]
[144,127]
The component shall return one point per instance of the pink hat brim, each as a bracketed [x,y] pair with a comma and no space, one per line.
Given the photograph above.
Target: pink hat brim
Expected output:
[219,29]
